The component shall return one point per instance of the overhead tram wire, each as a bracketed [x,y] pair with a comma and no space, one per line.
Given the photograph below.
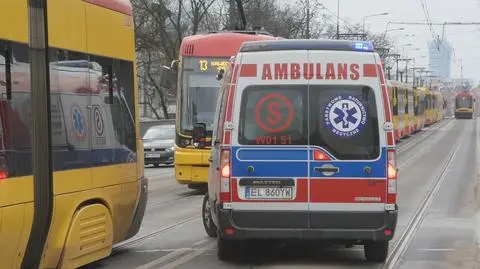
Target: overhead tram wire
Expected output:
[337,17]
[429,23]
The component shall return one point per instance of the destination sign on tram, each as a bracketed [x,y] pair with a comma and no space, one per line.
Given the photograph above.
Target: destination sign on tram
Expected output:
[205,64]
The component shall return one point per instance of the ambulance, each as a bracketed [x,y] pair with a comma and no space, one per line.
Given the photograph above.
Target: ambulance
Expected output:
[303,148]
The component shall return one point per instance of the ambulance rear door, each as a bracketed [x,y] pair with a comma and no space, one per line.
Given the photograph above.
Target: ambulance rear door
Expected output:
[270,148]
[348,155]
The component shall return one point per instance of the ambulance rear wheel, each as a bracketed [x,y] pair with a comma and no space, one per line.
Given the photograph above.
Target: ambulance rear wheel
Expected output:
[207,220]
[376,251]
[228,250]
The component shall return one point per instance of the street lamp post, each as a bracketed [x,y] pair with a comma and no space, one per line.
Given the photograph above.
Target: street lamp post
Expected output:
[373,15]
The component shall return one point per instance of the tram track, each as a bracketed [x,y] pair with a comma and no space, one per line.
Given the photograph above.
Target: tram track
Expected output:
[136,240]
[162,202]
[422,136]
[425,147]
[401,245]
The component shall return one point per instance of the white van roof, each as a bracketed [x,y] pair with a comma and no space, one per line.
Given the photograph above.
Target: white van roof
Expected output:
[307,44]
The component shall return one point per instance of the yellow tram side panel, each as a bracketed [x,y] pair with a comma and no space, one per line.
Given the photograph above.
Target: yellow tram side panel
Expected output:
[429,112]
[435,109]
[397,116]
[195,169]
[407,95]
[402,116]
[419,121]
[441,110]
[411,110]
[16,218]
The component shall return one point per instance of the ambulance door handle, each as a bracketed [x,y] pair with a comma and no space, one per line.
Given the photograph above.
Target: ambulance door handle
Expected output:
[326,169]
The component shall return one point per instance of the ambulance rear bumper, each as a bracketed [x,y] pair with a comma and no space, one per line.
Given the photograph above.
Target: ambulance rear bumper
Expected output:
[337,226]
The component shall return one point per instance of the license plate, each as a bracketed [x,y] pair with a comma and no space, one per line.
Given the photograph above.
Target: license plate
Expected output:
[268,193]
[153,155]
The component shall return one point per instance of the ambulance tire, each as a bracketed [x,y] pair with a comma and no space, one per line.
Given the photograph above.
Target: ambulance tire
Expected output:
[228,250]
[207,220]
[376,251]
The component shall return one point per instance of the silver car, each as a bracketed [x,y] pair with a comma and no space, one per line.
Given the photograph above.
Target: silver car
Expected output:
[158,145]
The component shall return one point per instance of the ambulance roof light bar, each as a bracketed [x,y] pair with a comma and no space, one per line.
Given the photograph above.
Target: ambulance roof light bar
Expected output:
[307,44]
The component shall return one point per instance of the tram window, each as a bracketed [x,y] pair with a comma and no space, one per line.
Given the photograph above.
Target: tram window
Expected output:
[125,104]
[5,71]
[5,91]
[407,101]
[19,113]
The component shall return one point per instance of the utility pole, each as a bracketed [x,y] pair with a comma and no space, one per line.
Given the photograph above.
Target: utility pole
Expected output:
[397,58]
[308,19]
[338,19]
[388,72]
[406,68]
[461,69]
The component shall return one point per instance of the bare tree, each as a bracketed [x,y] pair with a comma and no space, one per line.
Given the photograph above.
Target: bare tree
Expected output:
[160,26]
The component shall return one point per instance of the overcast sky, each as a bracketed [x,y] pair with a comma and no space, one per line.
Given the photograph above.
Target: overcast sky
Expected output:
[465,39]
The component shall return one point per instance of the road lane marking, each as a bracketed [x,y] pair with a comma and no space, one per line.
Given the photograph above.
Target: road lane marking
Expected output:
[435,249]
[179,256]
[189,256]
[477,185]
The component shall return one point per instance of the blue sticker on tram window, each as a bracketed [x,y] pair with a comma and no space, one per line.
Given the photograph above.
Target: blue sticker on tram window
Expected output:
[345,116]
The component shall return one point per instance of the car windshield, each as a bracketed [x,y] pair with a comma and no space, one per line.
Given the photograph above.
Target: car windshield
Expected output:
[160,133]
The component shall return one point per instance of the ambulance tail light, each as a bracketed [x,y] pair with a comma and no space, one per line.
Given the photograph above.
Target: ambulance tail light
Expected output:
[225,176]
[319,155]
[392,176]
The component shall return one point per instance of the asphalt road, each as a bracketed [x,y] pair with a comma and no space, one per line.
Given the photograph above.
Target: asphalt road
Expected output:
[437,224]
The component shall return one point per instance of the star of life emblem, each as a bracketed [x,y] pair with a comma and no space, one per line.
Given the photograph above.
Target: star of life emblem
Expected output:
[345,116]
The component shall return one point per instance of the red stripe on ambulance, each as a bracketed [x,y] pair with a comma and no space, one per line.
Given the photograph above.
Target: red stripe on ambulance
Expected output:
[347,190]
[248,70]
[386,103]
[227,138]
[369,70]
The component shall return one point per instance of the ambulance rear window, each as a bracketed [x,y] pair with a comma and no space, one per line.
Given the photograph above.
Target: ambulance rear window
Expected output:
[344,121]
[274,115]
[340,118]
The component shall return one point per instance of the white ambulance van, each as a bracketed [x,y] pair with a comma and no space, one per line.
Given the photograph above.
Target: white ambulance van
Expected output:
[303,147]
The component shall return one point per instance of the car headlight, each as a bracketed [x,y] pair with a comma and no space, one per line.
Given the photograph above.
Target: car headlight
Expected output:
[171,149]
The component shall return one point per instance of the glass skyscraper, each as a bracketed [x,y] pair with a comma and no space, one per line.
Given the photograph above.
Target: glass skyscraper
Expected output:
[440,58]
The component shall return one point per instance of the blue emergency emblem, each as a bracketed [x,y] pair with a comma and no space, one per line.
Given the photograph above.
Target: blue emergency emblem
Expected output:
[78,122]
[345,115]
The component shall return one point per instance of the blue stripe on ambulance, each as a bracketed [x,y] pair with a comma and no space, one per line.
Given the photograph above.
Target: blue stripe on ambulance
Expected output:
[293,162]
